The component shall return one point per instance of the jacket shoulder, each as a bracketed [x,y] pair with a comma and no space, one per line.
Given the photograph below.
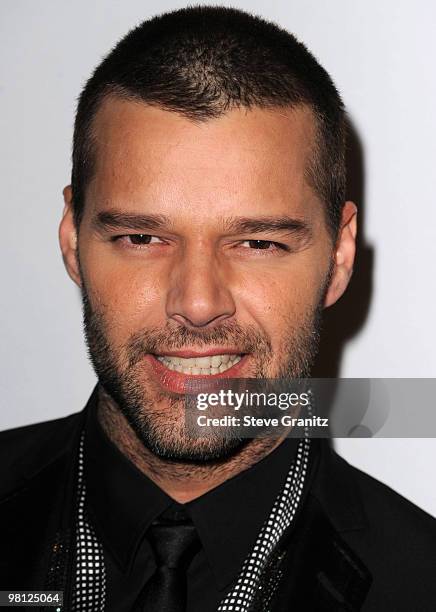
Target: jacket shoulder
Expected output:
[381,502]
[28,446]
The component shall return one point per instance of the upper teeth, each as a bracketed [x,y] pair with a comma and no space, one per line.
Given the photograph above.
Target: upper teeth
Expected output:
[214,364]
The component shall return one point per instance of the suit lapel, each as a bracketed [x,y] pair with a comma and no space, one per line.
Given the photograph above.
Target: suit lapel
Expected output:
[31,514]
[36,512]
[318,569]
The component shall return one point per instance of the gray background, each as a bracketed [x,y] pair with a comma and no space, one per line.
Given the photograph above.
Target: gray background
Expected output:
[381,56]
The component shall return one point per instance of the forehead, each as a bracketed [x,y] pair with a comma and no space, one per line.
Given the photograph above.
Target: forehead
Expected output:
[253,157]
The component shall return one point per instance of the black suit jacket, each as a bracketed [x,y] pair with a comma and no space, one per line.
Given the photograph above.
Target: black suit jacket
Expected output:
[356,544]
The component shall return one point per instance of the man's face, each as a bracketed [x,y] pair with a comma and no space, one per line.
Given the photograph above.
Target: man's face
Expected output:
[203,252]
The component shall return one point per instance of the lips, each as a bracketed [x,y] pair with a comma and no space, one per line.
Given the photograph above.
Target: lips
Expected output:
[179,373]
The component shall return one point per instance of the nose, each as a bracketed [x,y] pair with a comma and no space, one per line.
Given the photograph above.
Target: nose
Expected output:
[199,293]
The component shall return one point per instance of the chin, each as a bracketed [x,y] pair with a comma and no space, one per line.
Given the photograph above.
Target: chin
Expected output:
[184,449]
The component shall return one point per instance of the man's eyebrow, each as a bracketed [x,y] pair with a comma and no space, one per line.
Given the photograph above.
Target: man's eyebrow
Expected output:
[112,220]
[250,225]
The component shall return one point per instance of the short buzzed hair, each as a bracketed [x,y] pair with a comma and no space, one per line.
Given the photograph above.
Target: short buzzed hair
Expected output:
[203,61]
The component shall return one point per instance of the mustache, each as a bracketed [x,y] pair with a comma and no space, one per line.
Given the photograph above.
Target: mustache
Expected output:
[247,339]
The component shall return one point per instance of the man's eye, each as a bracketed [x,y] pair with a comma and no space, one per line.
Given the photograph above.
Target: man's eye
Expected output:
[140,238]
[137,239]
[264,245]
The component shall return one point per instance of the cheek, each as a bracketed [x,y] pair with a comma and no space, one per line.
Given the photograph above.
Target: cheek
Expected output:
[280,302]
[129,298]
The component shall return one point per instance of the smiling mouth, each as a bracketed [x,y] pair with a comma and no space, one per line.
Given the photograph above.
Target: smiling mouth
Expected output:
[176,372]
[200,366]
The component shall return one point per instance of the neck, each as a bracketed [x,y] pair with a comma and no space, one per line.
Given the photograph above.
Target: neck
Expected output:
[181,481]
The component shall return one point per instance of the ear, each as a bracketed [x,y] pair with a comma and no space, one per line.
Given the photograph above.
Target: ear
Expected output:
[68,238]
[345,251]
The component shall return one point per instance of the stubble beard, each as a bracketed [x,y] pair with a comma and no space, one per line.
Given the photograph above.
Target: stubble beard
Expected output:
[158,418]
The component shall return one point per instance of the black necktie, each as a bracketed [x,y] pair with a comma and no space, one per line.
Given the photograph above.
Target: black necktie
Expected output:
[174,541]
